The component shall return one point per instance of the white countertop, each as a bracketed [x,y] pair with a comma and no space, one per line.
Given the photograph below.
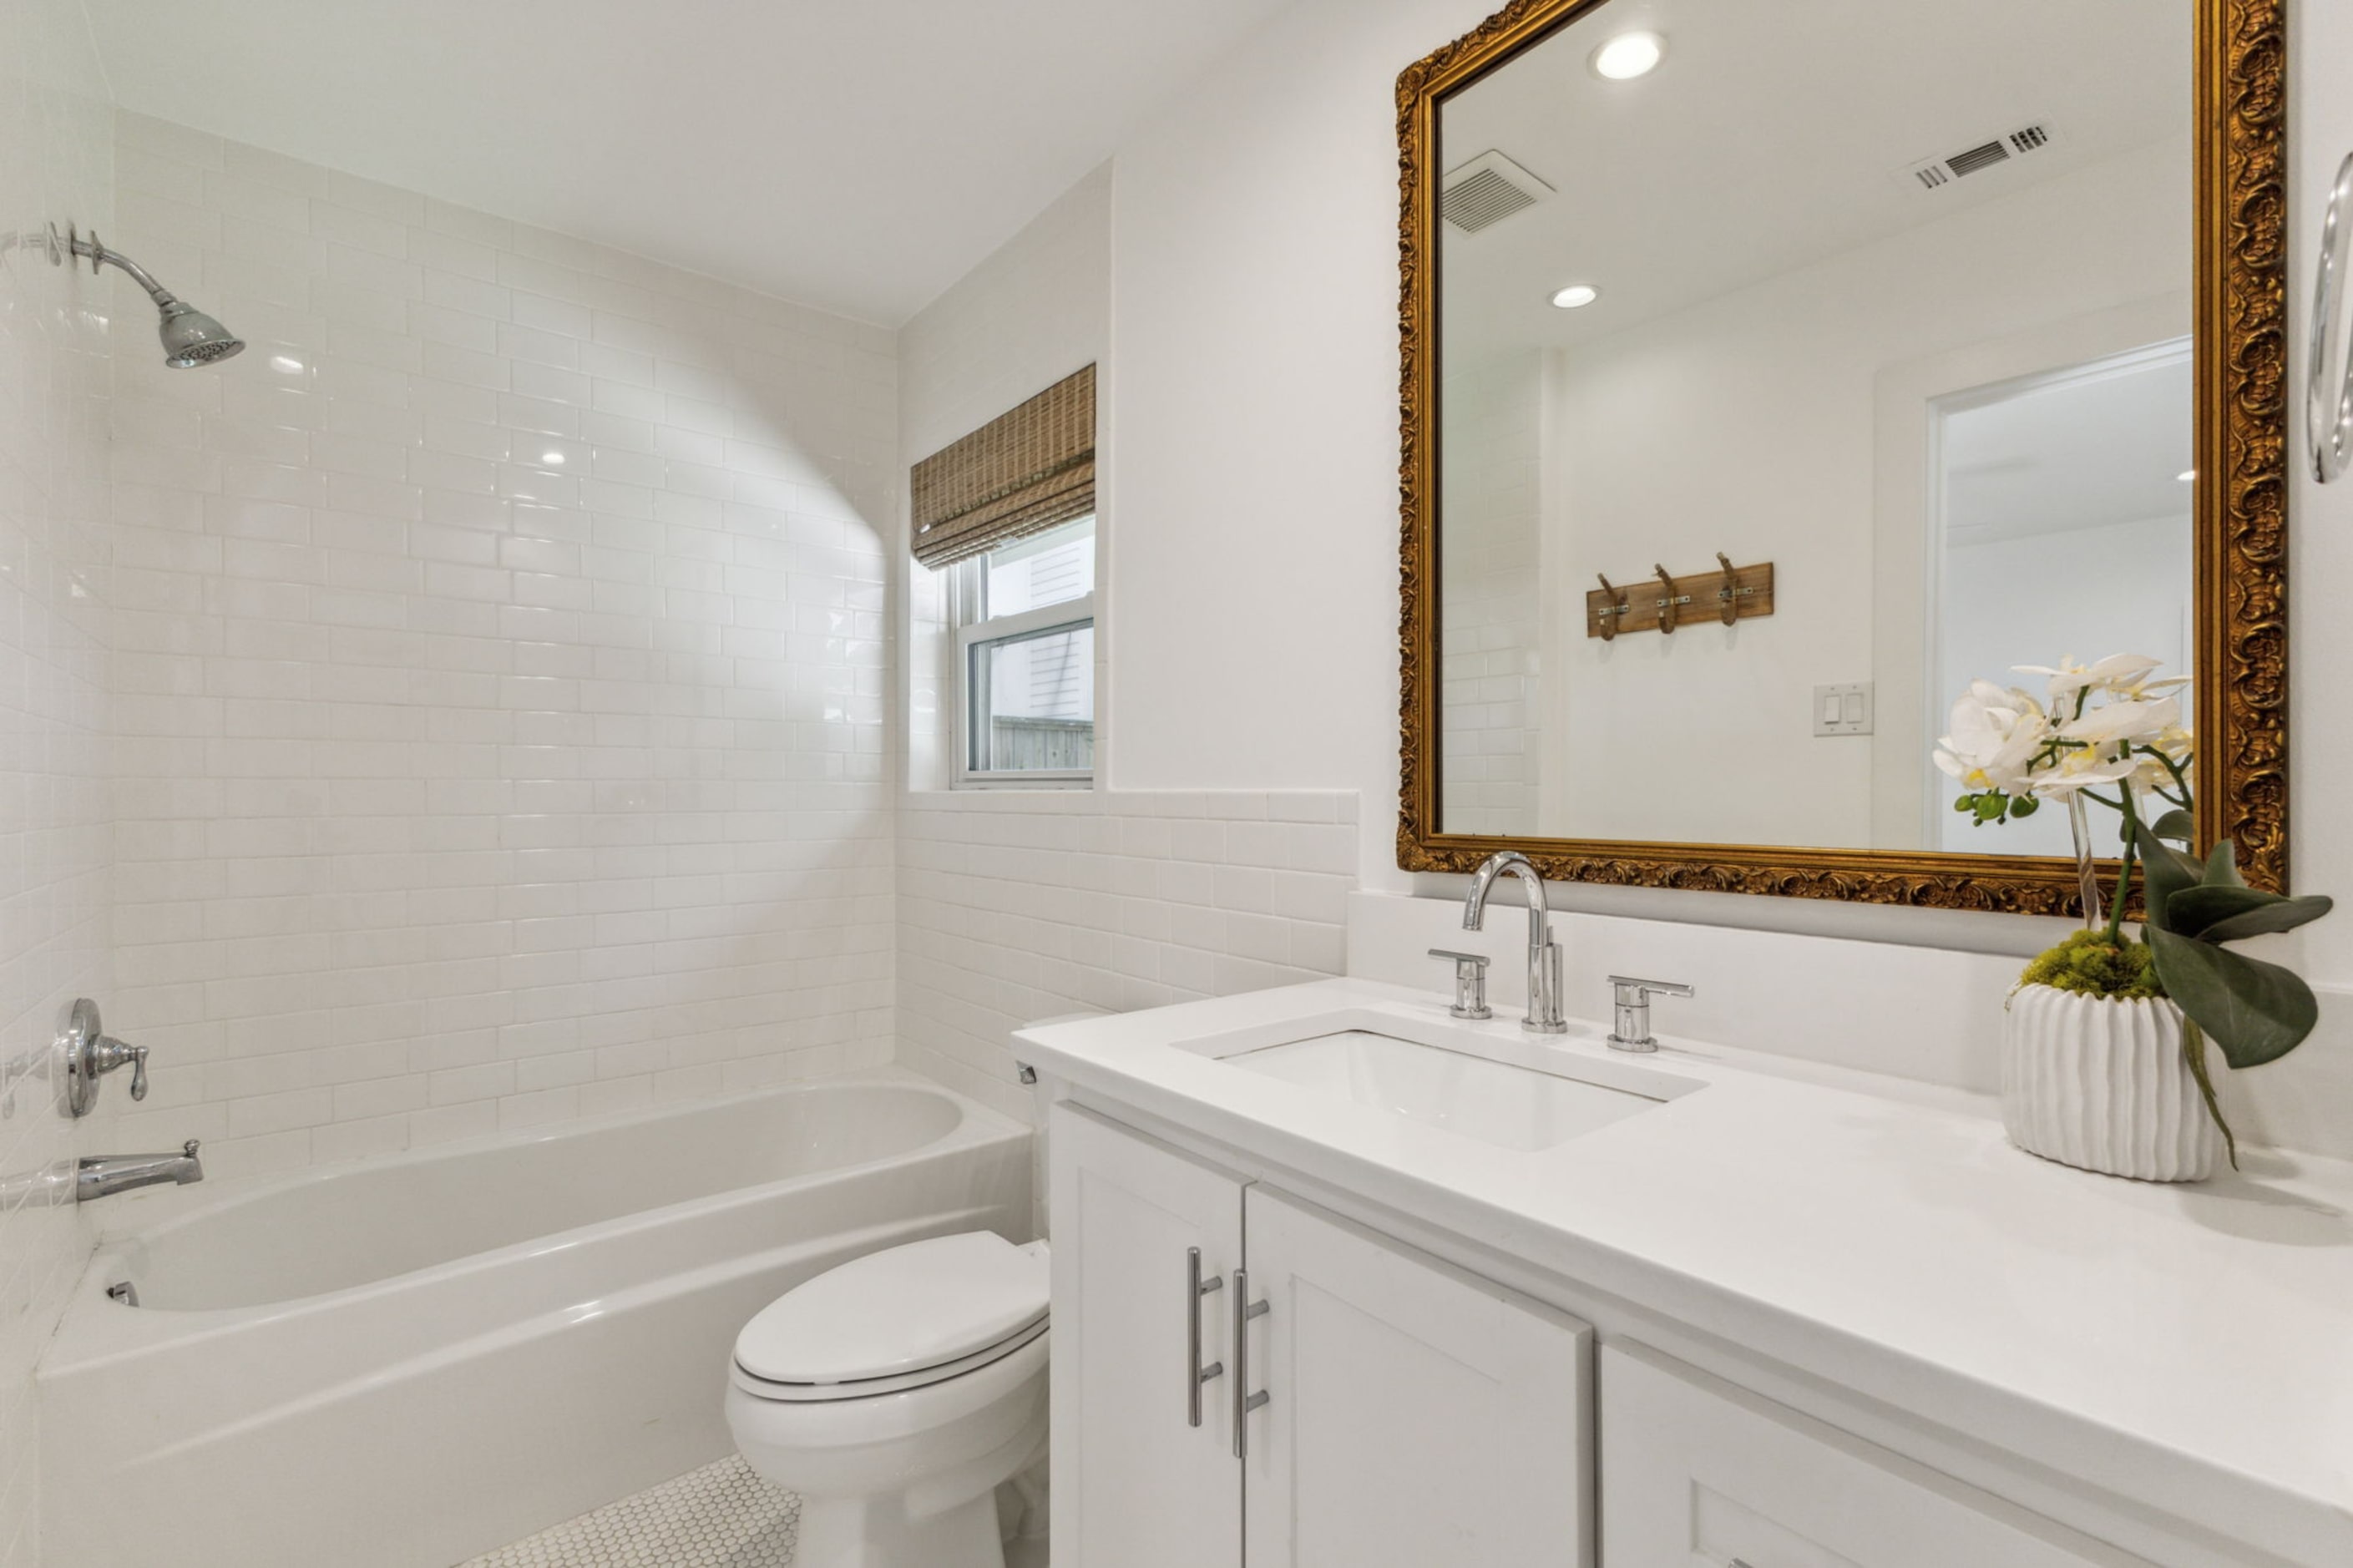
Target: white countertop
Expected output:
[2190,1347]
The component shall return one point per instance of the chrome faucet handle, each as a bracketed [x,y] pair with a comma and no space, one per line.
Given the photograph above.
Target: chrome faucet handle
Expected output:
[1469,982]
[1631,1003]
[110,1054]
[91,1053]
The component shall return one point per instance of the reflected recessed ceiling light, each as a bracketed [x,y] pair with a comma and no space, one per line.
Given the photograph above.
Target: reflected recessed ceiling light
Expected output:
[286,363]
[552,460]
[1576,296]
[2186,475]
[1628,55]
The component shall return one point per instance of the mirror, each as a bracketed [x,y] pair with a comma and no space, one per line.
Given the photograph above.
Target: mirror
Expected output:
[1774,372]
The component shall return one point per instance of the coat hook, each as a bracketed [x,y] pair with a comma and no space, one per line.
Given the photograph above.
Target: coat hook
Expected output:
[1610,611]
[1667,604]
[1731,605]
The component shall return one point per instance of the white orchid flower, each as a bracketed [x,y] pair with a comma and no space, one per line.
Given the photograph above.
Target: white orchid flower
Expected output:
[1996,734]
[2125,724]
[2119,673]
[2081,769]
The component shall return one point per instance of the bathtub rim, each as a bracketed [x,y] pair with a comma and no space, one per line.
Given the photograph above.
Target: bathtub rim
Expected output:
[127,1329]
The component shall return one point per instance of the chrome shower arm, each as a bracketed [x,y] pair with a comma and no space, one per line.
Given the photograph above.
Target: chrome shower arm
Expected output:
[190,338]
[93,250]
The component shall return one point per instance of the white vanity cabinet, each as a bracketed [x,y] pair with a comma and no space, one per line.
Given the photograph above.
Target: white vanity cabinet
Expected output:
[1696,1473]
[1415,1415]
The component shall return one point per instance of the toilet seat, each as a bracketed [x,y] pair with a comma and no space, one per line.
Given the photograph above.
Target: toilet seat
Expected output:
[869,1387]
[904,1318]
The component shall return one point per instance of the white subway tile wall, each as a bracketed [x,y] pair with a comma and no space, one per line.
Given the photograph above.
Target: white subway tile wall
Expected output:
[502,674]
[1491,611]
[56,165]
[1017,906]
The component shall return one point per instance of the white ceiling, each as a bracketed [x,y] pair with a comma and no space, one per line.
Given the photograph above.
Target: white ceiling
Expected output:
[860,155]
[1775,135]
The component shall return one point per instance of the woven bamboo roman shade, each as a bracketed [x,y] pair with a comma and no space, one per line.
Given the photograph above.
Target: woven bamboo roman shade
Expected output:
[1019,474]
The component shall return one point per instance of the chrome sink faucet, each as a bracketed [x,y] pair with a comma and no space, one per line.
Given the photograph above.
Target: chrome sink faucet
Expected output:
[1543,953]
[97,1175]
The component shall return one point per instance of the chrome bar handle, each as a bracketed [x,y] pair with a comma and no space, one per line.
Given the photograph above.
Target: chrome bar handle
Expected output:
[1196,1374]
[1469,982]
[2327,402]
[1631,1001]
[1244,1400]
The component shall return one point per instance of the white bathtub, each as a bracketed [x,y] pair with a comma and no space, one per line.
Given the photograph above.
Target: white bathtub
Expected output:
[403,1362]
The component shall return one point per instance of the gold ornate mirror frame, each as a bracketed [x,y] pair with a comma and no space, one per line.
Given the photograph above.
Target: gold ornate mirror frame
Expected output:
[2241,519]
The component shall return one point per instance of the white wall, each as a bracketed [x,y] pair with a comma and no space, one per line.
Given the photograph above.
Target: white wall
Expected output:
[55,166]
[503,673]
[2317,1081]
[1254,282]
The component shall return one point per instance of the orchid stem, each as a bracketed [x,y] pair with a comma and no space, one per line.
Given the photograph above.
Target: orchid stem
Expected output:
[2124,875]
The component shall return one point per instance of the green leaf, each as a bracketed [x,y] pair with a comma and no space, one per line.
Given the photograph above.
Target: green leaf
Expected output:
[2178,826]
[2193,1051]
[2276,913]
[2191,910]
[2223,867]
[2256,1012]
[2168,871]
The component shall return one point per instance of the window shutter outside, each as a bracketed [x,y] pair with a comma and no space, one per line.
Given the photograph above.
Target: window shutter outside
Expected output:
[1023,473]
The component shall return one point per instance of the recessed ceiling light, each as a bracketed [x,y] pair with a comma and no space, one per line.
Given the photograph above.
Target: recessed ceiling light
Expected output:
[1628,55]
[553,459]
[2186,475]
[1577,296]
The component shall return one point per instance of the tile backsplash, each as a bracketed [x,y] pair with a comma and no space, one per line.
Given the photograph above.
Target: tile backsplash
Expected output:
[500,676]
[1020,905]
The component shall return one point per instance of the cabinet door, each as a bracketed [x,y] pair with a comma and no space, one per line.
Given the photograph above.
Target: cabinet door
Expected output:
[1135,1483]
[1698,1474]
[1416,1416]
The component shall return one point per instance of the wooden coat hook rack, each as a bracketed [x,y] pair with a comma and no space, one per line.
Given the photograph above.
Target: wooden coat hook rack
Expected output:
[1728,594]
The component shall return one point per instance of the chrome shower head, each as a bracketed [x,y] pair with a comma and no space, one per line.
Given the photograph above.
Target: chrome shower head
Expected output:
[190,337]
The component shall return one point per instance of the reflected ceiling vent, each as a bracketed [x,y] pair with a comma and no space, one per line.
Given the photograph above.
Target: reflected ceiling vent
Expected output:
[1938,173]
[1487,190]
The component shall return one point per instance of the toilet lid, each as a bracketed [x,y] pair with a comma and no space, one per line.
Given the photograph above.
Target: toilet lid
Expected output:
[903,1309]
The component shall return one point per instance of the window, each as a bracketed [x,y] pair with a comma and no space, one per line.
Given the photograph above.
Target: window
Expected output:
[1025,653]
[1008,513]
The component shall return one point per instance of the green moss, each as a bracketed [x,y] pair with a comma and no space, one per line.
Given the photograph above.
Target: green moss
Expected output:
[2089,965]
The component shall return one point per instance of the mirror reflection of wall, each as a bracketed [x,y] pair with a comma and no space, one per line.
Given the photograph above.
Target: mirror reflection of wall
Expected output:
[1802,209]
[2063,530]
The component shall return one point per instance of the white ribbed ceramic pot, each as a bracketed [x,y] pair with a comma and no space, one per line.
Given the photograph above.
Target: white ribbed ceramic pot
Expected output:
[2101,1084]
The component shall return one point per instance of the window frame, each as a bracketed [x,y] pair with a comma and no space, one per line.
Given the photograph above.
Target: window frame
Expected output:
[968,596]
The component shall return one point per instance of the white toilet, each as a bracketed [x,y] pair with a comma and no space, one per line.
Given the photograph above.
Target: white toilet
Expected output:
[895,1393]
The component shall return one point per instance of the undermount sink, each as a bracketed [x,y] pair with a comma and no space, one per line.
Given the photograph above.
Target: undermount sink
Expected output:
[1440,1085]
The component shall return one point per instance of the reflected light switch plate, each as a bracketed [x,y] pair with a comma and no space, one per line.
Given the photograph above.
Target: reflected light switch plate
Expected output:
[1842,709]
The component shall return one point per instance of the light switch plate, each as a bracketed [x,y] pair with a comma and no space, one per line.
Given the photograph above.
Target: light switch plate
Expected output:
[1843,709]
